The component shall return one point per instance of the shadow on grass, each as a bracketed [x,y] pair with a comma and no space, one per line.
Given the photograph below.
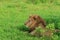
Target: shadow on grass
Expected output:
[26,30]
[23,28]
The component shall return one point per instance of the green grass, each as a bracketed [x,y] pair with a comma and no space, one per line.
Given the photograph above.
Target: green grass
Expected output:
[13,14]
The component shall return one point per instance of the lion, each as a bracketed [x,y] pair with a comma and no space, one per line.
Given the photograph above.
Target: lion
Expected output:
[34,21]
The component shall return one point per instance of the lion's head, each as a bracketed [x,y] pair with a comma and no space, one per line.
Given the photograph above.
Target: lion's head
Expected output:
[34,21]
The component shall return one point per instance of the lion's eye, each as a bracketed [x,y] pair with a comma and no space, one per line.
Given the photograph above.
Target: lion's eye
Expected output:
[34,18]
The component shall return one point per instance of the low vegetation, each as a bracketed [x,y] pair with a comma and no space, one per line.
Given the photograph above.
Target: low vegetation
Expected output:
[13,14]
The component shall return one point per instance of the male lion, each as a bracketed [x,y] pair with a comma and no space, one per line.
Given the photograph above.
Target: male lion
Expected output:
[35,21]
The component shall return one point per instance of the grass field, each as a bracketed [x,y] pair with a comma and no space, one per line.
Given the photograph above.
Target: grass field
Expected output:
[13,14]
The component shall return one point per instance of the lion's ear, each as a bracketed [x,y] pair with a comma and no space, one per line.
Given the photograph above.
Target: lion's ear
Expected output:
[37,18]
